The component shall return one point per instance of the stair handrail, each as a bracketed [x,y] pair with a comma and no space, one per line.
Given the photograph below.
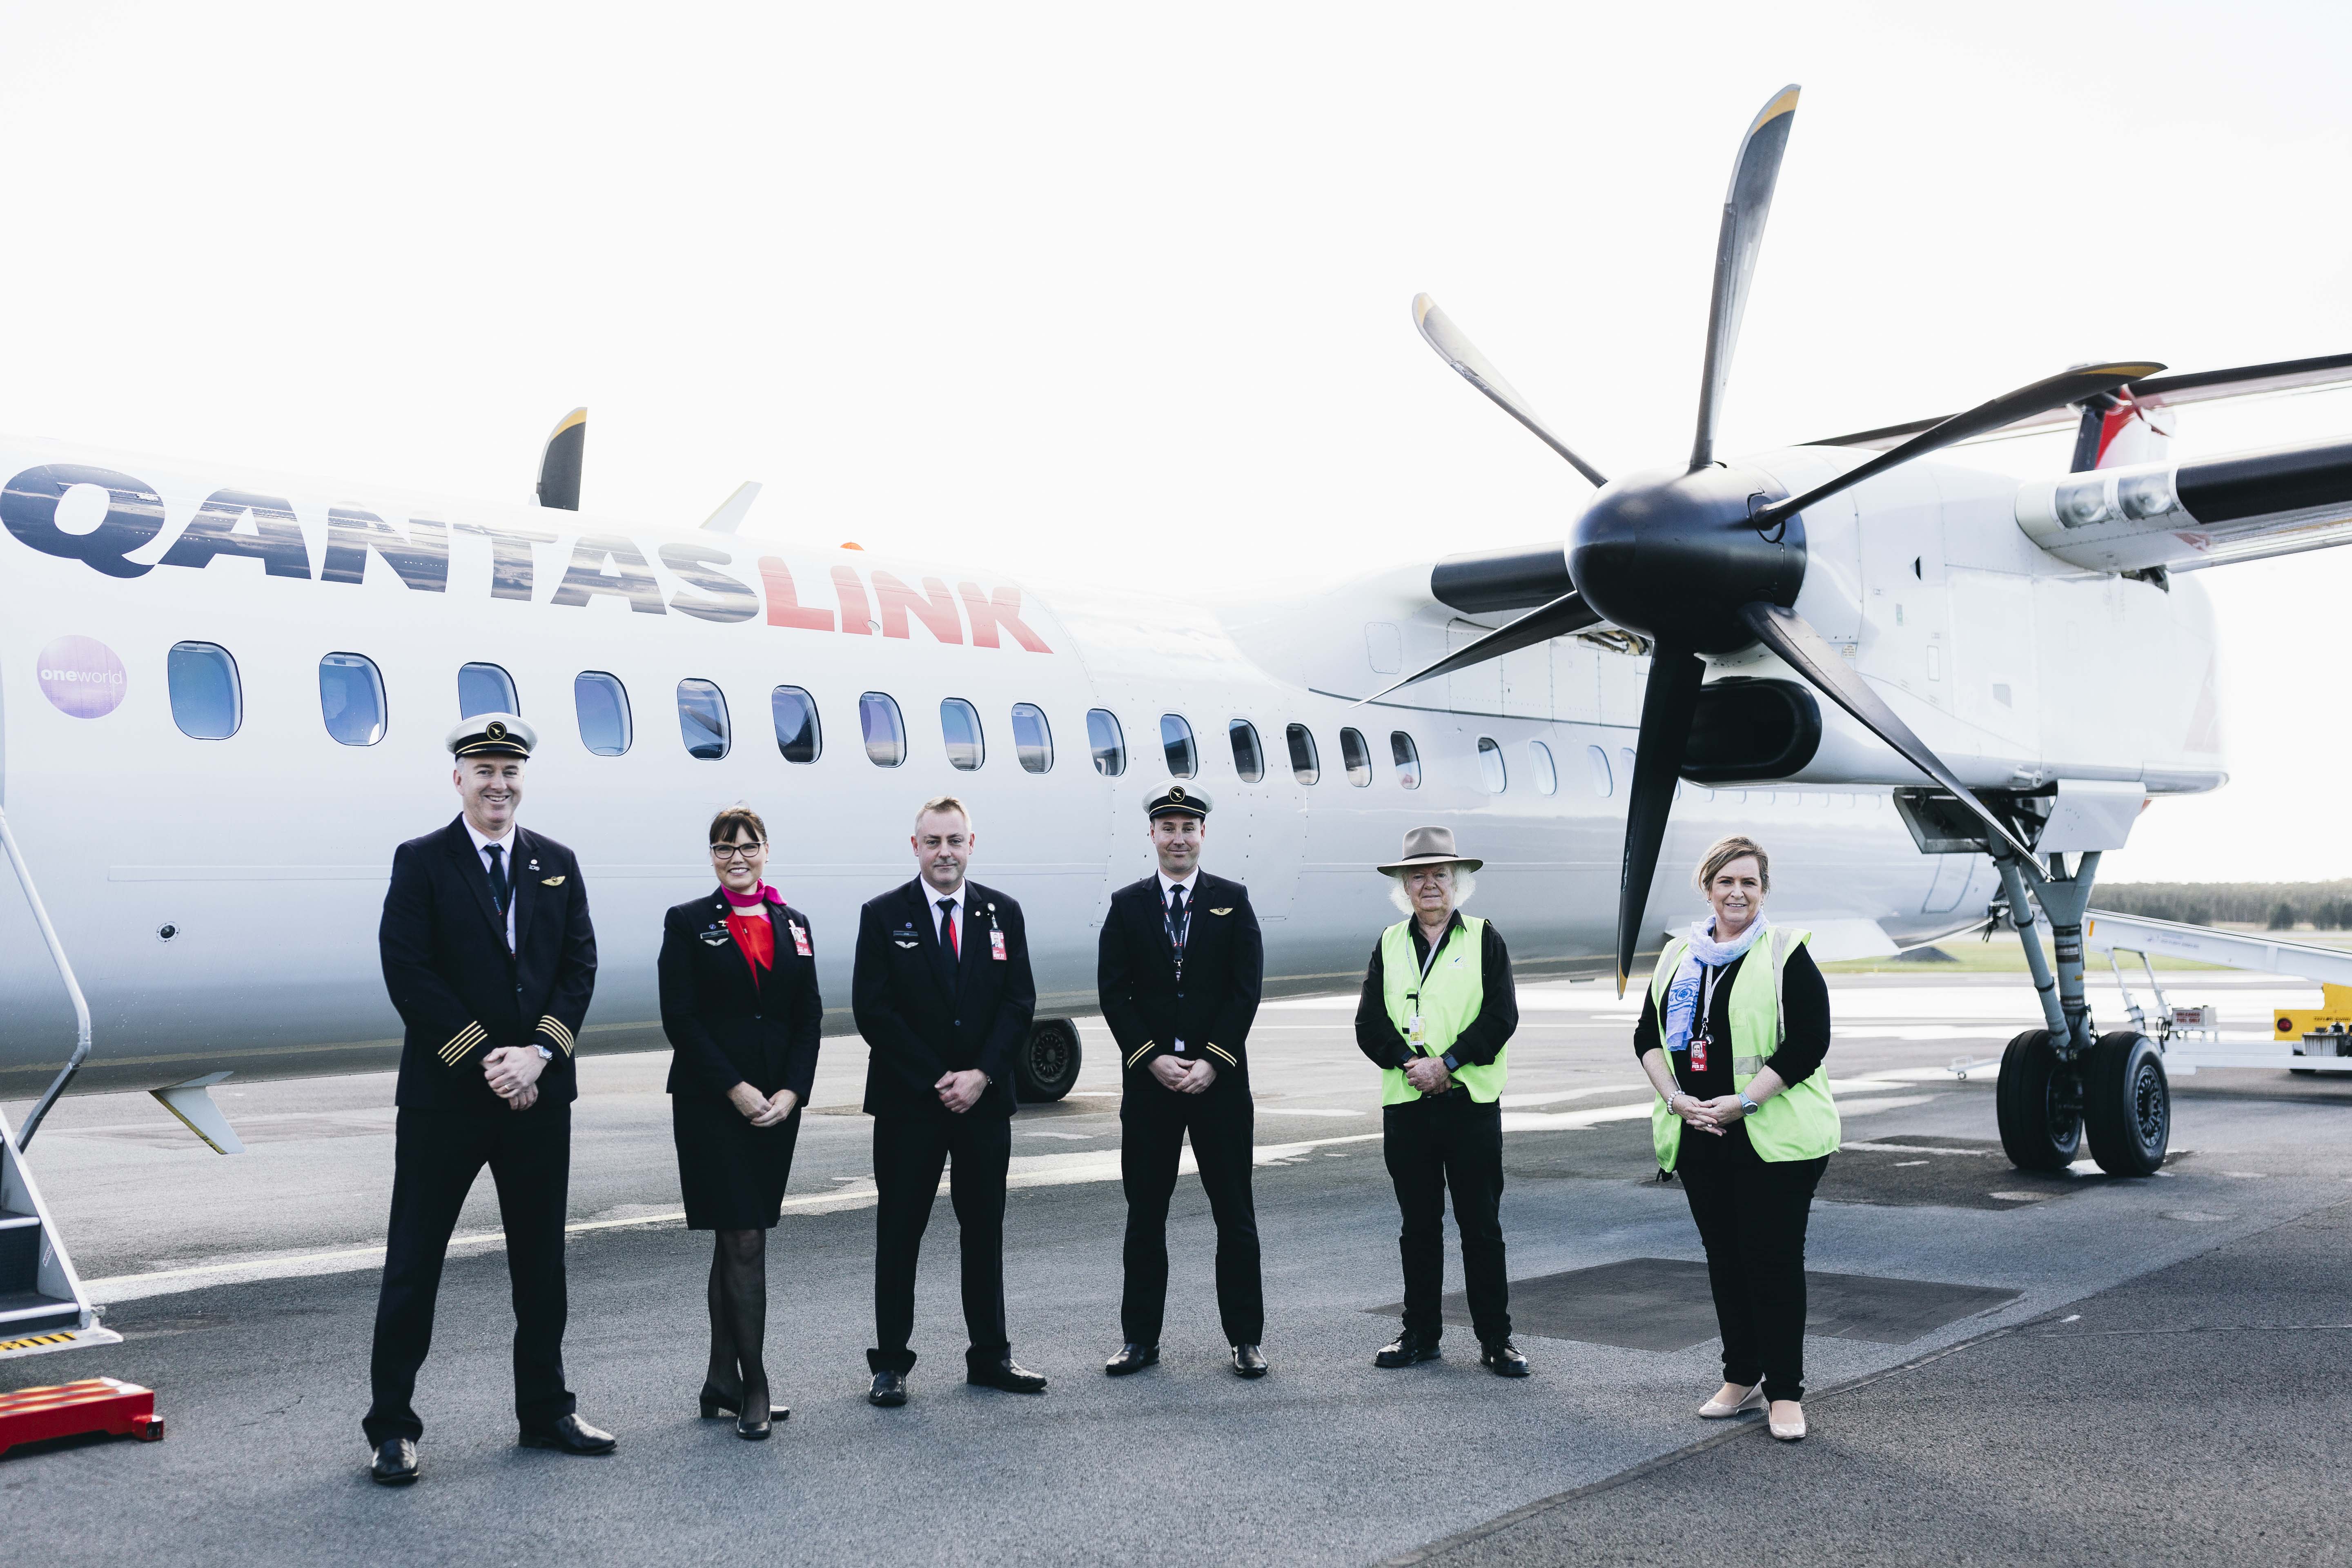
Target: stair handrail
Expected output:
[73,989]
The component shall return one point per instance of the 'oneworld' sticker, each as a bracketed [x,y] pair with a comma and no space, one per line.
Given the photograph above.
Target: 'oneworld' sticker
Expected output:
[82,678]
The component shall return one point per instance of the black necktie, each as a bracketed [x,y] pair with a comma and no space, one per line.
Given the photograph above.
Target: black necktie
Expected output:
[1178,926]
[950,953]
[499,890]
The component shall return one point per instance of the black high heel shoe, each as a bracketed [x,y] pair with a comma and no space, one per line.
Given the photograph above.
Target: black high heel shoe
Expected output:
[756,1431]
[716,1403]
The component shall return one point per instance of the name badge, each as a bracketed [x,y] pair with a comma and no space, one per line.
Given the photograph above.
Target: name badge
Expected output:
[996,944]
[801,941]
[1698,1053]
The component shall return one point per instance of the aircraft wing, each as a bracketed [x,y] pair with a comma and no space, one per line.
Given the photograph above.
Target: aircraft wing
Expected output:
[2160,392]
[2186,516]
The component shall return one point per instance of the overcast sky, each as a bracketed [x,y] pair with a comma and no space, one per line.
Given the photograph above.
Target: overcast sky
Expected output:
[1099,294]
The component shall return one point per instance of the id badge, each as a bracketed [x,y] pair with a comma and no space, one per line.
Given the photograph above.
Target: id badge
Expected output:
[801,941]
[996,944]
[1698,1053]
[1414,1035]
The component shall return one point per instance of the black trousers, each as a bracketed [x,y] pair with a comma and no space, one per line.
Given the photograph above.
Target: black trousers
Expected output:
[1751,1216]
[1434,1144]
[908,1153]
[1153,1123]
[436,1155]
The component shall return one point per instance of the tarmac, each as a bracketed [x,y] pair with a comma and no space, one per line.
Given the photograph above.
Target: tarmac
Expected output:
[2002,1368]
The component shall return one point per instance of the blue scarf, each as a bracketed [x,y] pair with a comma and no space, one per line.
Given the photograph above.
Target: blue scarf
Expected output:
[1682,992]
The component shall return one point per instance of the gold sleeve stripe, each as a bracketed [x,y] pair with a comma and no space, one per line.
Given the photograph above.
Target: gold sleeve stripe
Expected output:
[1219,1051]
[558,1033]
[462,1042]
[1141,1051]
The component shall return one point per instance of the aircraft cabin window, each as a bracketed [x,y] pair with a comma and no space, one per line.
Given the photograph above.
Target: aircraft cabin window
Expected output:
[1304,765]
[1249,757]
[351,699]
[959,726]
[1107,742]
[1033,738]
[1598,760]
[702,719]
[1407,758]
[798,736]
[1546,775]
[1490,766]
[1356,756]
[885,733]
[1176,740]
[485,689]
[206,702]
[602,703]
[1625,755]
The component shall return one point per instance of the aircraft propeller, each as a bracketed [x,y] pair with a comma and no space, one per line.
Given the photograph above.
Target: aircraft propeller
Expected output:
[1707,558]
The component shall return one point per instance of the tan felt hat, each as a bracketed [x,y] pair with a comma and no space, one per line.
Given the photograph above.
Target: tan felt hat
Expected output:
[1430,846]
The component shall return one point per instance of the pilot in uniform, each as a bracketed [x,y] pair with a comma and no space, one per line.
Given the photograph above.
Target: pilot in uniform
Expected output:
[491,960]
[1179,965]
[942,994]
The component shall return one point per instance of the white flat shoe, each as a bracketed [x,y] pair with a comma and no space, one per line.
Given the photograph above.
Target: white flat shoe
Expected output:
[1716,1410]
[1790,1428]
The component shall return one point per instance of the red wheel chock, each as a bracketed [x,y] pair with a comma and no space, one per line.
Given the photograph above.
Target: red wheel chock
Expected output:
[69,1409]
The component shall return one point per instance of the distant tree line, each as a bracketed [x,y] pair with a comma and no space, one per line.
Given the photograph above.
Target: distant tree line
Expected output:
[2275,906]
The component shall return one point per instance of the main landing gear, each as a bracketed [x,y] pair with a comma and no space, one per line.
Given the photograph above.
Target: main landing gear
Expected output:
[2061,1083]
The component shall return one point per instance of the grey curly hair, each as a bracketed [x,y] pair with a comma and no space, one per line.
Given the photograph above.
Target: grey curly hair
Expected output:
[1465,882]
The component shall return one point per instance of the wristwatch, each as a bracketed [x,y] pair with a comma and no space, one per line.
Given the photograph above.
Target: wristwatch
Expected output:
[544,1053]
[1747,1106]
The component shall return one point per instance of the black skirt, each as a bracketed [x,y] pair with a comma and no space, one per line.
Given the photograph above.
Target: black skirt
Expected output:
[732,1172]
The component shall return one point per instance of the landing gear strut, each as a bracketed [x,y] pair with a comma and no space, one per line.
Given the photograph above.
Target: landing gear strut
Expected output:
[2058,1083]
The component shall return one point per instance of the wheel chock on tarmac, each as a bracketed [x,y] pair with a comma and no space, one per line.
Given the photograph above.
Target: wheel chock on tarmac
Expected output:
[71,1409]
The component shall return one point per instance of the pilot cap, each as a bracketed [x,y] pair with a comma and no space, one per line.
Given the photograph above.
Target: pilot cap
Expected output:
[492,735]
[1176,800]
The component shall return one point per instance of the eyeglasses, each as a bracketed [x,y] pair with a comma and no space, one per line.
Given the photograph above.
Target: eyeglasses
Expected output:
[742,852]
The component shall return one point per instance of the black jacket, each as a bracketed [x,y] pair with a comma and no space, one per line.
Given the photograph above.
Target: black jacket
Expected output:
[918,1026]
[726,1028]
[1224,965]
[458,990]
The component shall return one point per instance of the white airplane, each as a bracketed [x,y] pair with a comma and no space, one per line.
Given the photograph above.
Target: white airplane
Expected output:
[223,695]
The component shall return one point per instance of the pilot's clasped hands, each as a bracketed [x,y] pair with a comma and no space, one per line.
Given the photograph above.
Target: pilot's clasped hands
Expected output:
[513,1075]
[960,1091]
[1175,1074]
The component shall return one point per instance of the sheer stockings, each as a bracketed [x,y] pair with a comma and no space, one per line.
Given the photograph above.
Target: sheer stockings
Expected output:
[738,1324]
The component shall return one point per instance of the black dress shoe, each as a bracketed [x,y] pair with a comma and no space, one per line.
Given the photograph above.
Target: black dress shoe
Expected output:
[396,1464]
[1503,1359]
[1132,1358]
[756,1431]
[889,1390]
[570,1435]
[1006,1374]
[1405,1349]
[1247,1362]
[715,1404]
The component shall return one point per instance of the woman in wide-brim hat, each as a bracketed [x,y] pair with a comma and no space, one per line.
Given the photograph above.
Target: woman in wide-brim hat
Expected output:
[1732,1035]
[1437,1010]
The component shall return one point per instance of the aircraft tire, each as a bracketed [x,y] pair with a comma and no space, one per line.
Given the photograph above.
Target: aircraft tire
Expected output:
[2041,1121]
[2127,1104]
[1046,1066]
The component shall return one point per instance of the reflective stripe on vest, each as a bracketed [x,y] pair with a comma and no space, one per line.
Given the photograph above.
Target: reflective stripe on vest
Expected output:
[1450,1000]
[1801,1122]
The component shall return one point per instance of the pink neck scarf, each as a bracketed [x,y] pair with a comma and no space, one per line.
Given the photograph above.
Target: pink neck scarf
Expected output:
[763,894]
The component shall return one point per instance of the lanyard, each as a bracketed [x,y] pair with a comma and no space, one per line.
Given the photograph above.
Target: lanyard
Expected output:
[1178,934]
[1413,1037]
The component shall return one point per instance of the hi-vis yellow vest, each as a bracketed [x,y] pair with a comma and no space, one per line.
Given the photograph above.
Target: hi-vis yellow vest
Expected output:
[1801,1122]
[1449,1002]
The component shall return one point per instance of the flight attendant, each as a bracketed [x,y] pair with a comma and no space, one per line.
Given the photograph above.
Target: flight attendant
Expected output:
[491,960]
[1437,1012]
[1732,1036]
[1179,967]
[740,1006]
[942,993]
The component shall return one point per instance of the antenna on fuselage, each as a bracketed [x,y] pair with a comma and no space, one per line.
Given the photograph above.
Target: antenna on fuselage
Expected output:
[559,468]
[730,515]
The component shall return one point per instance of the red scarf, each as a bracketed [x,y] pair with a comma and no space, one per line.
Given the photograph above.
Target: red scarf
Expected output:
[755,937]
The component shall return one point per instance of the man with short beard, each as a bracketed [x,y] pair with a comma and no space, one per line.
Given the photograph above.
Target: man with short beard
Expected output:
[490,960]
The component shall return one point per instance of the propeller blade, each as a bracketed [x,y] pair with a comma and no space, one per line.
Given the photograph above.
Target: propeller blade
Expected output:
[1463,354]
[1667,708]
[2053,391]
[558,467]
[1567,613]
[1745,207]
[1789,633]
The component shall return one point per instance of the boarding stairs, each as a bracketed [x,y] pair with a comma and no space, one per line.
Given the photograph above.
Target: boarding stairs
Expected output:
[42,1304]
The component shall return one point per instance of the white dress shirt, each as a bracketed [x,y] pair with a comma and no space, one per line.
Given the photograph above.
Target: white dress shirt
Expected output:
[1185,882]
[482,843]
[955,913]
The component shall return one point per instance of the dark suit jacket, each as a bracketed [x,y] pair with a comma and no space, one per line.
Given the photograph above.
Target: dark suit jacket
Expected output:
[1224,963]
[458,990]
[920,1028]
[724,1027]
